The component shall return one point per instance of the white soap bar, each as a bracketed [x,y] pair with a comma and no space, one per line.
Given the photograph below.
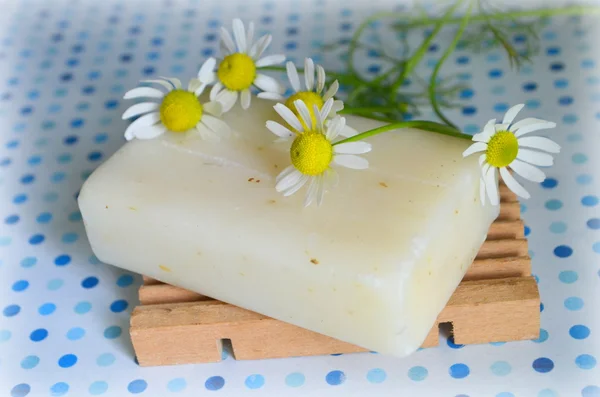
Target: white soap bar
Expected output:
[373,266]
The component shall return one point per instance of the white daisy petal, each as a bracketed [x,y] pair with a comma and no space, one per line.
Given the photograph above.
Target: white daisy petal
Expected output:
[528,171]
[359,147]
[215,108]
[318,118]
[270,60]
[250,34]
[216,125]
[267,83]
[144,121]
[332,90]
[193,85]
[528,125]
[245,98]
[320,189]
[271,96]
[287,171]
[260,46]
[482,159]
[501,127]
[206,74]
[206,133]
[351,161]
[309,73]
[293,76]
[512,113]
[348,131]
[320,79]
[289,116]
[488,130]
[164,83]
[337,106]
[332,178]
[512,184]
[326,109]
[198,91]
[491,185]
[535,158]
[279,130]
[239,34]
[540,143]
[288,181]
[311,194]
[227,99]
[227,41]
[334,128]
[150,132]
[140,108]
[297,186]
[143,92]
[304,113]
[174,81]
[216,90]
[475,148]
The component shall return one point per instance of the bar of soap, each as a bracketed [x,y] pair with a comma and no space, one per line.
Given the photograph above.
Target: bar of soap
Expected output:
[373,266]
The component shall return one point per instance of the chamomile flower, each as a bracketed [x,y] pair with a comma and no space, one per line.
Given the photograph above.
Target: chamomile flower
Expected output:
[177,110]
[237,72]
[312,152]
[506,146]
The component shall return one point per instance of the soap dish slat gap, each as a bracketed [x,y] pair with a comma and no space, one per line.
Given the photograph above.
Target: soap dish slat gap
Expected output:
[497,301]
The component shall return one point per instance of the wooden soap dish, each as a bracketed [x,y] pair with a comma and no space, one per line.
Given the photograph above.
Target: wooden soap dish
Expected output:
[497,301]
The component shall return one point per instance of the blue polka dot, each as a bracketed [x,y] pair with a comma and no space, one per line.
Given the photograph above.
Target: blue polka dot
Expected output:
[335,378]
[568,276]
[563,251]
[295,379]
[105,360]
[459,371]
[547,393]
[20,390]
[214,383]
[543,336]
[565,100]
[589,201]
[30,362]
[596,247]
[118,306]
[69,238]
[59,389]
[11,310]
[585,361]
[82,307]
[38,335]
[125,280]
[549,183]
[558,227]
[55,284]
[574,303]
[376,375]
[418,373]
[98,387]
[501,368]
[44,217]
[36,239]
[20,285]
[27,179]
[11,220]
[67,361]
[137,386]
[75,333]
[593,223]
[254,381]
[177,385]
[95,156]
[553,204]
[47,309]
[5,335]
[543,365]
[451,344]
[495,73]
[112,332]
[20,198]
[579,158]
[89,282]
[590,391]
[62,260]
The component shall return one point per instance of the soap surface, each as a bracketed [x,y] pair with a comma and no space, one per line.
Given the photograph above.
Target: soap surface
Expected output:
[373,266]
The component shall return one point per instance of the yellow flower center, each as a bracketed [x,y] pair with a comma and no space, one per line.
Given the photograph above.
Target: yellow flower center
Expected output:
[311,153]
[310,99]
[502,149]
[180,111]
[237,71]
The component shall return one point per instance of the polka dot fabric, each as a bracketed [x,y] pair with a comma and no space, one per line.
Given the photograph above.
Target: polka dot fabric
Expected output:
[64,315]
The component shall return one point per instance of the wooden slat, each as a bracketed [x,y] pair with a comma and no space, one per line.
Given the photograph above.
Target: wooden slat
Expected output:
[182,333]
[166,293]
[506,230]
[503,248]
[492,268]
[510,211]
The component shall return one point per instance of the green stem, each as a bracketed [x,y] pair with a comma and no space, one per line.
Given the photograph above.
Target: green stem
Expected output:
[421,51]
[424,125]
[438,66]
[570,10]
